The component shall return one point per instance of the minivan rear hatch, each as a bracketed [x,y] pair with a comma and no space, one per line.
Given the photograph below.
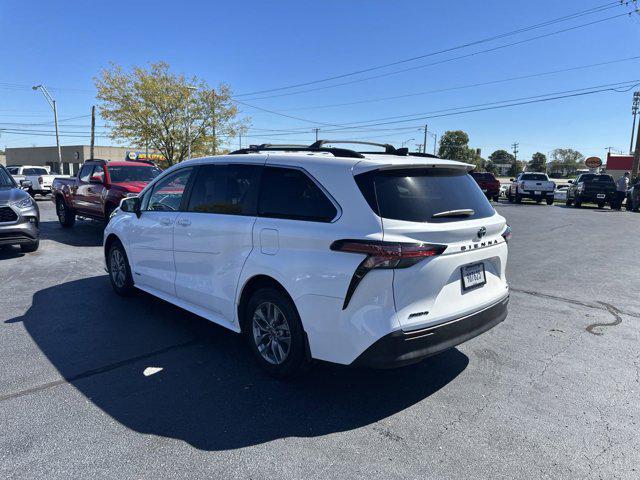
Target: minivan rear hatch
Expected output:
[441,207]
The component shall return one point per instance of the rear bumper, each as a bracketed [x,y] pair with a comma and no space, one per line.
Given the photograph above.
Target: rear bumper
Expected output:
[593,197]
[403,348]
[532,194]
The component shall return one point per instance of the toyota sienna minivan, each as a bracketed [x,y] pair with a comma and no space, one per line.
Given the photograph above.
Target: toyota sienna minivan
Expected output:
[358,258]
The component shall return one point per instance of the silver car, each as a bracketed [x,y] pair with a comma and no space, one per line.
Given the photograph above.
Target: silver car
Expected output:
[19,215]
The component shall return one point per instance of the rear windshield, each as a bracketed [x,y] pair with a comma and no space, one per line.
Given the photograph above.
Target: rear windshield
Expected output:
[486,176]
[35,171]
[593,178]
[416,195]
[133,173]
[535,176]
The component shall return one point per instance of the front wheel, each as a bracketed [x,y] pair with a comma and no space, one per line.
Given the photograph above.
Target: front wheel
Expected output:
[119,271]
[577,203]
[275,335]
[30,247]
[518,198]
[549,200]
[66,216]
[568,202]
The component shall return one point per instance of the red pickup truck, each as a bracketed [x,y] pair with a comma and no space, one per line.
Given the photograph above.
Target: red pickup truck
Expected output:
[98,188]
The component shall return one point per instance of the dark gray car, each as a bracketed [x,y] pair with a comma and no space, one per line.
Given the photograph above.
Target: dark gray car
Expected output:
[19,215]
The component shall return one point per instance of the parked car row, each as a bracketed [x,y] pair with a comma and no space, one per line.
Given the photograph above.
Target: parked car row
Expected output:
[36,180]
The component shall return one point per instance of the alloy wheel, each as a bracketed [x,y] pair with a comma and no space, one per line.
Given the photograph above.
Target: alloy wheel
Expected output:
[118,268]
[271,333]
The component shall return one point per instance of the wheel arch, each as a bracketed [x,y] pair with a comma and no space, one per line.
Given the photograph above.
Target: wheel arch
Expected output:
[110,240]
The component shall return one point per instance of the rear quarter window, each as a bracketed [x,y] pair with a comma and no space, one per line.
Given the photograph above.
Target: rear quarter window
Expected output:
[416,195]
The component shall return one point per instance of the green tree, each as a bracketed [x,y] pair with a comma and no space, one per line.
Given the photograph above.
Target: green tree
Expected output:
[501,157]
[454,145]
[155,107]
[490,167]
[538,162]
[565,161]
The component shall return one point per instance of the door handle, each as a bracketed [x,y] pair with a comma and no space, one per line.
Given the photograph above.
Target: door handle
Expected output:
[185,222]
[165,221]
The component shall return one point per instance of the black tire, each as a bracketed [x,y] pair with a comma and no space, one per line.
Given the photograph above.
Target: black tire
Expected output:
[496,198]
[518,198]
[509,198]
[283,363]
[30,247]
[568,202]
[66,216]
[577,203]
[549,200]
[601,204]
[119,270]
[538,201]
[32,193]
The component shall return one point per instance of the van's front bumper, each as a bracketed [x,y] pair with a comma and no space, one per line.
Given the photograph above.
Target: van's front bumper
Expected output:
[403,348]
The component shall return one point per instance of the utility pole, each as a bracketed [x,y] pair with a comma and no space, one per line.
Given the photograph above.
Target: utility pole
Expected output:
[240,139]
[636,156]
[93,131]
[515,158]
[52,104]
[635,106]
[424,145]
[435,143]
[316,130]
[419,145]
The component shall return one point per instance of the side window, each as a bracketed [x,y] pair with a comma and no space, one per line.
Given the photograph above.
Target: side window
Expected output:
[167,193]
[289,193]
[85,173]
[226,189]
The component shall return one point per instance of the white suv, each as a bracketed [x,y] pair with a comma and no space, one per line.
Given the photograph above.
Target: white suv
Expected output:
[376,259]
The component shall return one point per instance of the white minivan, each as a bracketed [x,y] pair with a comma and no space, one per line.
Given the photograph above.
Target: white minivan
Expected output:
[364,258]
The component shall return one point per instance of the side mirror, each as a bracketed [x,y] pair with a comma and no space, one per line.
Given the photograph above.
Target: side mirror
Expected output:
[130,205]
[25,184]
[95,179]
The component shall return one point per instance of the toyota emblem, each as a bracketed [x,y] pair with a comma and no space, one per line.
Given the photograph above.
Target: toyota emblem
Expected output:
[482,232]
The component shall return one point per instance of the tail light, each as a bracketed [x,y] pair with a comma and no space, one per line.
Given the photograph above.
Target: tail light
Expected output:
[506,234]
[383,255]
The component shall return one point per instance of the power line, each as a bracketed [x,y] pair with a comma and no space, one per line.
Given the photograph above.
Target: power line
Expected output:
[460,87]
[589,11]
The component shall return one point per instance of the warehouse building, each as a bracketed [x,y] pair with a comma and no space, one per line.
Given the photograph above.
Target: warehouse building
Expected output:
[72,156]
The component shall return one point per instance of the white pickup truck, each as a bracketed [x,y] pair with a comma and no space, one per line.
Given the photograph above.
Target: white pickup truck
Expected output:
[39,176]
[533,185]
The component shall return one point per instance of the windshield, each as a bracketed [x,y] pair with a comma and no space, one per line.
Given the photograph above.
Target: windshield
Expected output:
[535,176]
[419,195]
[593,178]
[5,179]
[133,173]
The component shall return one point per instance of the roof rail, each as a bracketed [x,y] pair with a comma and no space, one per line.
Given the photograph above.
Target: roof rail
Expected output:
[319,146]
[269,147]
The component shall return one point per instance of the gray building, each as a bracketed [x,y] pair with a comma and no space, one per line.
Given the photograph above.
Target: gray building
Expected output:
[72,156]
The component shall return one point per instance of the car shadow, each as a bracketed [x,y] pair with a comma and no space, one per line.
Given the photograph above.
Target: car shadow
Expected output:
[85,233]
[159,370]
[9,251]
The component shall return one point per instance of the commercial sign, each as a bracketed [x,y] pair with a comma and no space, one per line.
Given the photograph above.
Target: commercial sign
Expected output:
[593,162]
[153,157]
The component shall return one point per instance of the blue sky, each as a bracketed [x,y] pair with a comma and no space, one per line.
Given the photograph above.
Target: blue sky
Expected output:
[258,45]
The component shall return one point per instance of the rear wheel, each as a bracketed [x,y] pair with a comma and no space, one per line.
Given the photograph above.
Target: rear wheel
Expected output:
[66,216]
[601,204]
[119,271]
[549,200]
[568,202]
[275,335]
[577,203]
[30,247]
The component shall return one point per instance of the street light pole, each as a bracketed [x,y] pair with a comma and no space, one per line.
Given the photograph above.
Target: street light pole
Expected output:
[635,106]
[407,141]
[52,104]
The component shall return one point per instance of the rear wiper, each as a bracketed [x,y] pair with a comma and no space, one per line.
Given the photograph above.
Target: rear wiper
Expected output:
[464,212]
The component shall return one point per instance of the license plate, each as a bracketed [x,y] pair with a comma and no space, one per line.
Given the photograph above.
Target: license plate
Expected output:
[537,193]
[600,195]
[473,276]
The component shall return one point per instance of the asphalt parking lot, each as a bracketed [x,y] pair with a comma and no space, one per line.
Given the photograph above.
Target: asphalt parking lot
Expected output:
[552,392]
